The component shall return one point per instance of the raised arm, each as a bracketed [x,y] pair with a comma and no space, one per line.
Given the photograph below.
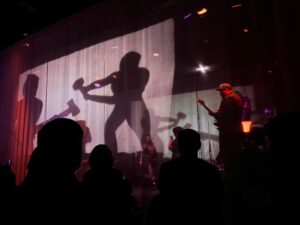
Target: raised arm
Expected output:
[100,83]
[210,112]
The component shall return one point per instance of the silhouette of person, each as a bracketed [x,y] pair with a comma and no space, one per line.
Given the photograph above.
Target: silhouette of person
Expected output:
[107,187]
[149,158]
[50,179]
[7,191]
[87,138]
[173,147]
[283,142]
[57,155]
[160,124]
[190,189]
[127,86]
[7,180]
[228,120]
[28,112]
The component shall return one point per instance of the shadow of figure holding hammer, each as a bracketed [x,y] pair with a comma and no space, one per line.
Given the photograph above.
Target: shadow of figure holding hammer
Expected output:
[127,86]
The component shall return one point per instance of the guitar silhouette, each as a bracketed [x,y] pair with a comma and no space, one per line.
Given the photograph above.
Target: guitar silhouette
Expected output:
[201,102]
[210,112]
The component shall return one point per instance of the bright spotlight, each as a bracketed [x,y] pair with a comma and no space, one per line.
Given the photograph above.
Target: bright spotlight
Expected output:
[202,69]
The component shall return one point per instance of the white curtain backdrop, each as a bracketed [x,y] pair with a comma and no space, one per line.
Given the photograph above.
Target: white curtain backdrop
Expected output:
[155,45]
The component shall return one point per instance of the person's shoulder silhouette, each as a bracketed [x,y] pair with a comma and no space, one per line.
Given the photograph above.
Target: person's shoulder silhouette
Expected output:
[191,189]
[61,142]
[102,177]
[57,156]
[50,180]
[283,140]
[175,175]
[107,187]
[7,180]
[101,173]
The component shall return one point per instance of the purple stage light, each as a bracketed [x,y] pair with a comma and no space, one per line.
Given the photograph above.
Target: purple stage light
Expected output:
[187,16]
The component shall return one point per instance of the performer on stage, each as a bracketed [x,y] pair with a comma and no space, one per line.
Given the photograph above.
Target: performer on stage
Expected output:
[228,119]
[149,158]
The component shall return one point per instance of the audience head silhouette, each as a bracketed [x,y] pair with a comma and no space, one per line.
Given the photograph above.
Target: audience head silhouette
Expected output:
[190,189]
[60,145]
[51,174]
[101,158]
[189,142]
[176,131]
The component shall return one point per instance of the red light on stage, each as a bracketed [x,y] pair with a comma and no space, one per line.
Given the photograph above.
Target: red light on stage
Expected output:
[246,126]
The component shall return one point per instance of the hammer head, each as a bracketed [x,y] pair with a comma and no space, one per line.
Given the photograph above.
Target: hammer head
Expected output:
[78,84]
[73,108]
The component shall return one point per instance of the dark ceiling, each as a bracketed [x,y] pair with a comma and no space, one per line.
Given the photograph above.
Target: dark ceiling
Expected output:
[19,18]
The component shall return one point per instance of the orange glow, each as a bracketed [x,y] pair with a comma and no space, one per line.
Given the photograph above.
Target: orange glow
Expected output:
[246,30]
[202,11]
[246,126]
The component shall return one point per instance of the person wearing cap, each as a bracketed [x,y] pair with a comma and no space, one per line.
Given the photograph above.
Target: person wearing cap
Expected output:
[228,119]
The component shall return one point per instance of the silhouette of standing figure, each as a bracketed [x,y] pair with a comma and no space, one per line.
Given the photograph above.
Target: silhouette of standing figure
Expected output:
[149,158]
[107,188]
[50,179]
[127,86]
[29,109]
[190,189]
[283,150]
[172,145]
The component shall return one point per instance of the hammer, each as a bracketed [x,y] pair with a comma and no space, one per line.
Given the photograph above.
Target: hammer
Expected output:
[72,109]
